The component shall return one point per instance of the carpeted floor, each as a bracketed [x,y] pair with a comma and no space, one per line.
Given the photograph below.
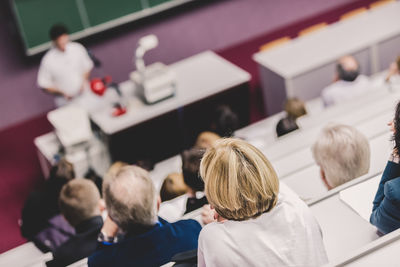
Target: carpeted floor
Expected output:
[19,166]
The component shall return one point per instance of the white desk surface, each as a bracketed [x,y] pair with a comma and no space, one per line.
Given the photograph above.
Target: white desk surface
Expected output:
[344,37]
[198,77]
[24,255]
[361,196]
[381,252]
[343,230]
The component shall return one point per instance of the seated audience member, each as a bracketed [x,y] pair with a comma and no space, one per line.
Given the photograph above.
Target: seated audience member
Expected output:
[348,84]
[342,153]
[81,205]
[386,209]
[259,222]
[294,108]
[206,139]
[41,219]
[225,121]
[172,187]
[194,198]
[132,204]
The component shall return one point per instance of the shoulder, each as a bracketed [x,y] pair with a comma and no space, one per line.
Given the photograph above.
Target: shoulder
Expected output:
[392,190]
[190,226]
[48,57]
[76,45]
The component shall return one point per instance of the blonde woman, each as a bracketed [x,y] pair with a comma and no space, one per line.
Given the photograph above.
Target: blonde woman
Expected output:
[258,222]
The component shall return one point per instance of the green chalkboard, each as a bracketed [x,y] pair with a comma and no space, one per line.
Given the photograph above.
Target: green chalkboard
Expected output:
[38,16]
[101,11]
[83,17]
[157,2]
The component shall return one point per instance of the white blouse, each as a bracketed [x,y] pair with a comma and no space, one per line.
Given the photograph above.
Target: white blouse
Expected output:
[288,235]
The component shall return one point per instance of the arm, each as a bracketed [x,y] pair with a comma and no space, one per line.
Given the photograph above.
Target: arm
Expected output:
[391,171]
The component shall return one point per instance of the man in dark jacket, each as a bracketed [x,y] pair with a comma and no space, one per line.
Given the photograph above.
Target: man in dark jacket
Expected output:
[132,204]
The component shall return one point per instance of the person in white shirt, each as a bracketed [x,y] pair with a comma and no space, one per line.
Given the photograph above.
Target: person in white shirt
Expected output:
[64,70]
[258,221]
[348,84]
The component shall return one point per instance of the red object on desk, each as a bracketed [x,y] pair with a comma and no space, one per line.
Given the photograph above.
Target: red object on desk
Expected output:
[118,111]
[98,87]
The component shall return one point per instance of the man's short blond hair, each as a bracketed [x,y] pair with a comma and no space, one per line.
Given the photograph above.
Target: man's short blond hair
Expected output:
[79,201]
[131,198]
[342,152]
[240,182]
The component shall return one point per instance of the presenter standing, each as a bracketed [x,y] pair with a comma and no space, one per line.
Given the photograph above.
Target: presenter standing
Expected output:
[64,70]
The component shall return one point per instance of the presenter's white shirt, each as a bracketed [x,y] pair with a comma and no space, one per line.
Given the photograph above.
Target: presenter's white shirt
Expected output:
[341,91]
[288,235]
[64,70]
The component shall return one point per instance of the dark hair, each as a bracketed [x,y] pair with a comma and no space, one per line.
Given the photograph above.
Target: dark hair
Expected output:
[60,174]
[225,121]
[396,135]
[190,168]
[285,126]
[347,75]
[57,30]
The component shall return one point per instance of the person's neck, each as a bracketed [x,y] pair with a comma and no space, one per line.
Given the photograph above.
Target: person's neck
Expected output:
[95,221]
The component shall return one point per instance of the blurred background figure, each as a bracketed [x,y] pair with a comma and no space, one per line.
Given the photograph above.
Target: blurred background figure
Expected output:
[41,219]
[348,83]
[294,109]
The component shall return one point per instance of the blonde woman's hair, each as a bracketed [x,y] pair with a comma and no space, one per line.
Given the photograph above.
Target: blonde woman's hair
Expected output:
[240,182]
[342,152]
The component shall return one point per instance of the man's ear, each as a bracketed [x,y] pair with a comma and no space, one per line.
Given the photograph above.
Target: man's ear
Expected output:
[102,205]
[158,202]
[323,177]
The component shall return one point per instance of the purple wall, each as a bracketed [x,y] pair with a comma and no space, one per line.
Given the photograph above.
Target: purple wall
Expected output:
[182,33]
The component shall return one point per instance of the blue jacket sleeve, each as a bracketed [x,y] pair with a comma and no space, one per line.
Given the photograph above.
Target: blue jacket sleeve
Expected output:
[391,171]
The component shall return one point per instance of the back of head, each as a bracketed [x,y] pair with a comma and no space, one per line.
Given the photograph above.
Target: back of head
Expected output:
[114,169]
[348,69]
[239,180]
[173,186]
[225,121]
[206,139]
[79,201]
[190,168]
[60,174]
[131,198]
[295,108]
[342,152]
[57,30]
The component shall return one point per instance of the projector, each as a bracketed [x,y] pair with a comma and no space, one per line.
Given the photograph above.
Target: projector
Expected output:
[154,82]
